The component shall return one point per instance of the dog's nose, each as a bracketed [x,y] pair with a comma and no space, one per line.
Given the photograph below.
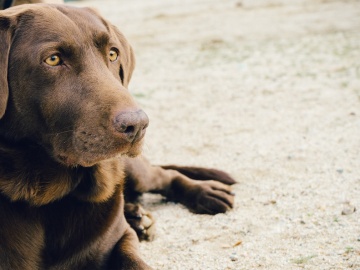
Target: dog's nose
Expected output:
[132,124]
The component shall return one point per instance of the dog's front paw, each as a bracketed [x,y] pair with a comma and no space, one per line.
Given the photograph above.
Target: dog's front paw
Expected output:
[208,197]
[140,220]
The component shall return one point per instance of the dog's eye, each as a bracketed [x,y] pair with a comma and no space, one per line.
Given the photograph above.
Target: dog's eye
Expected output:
[53,60]
[113,55]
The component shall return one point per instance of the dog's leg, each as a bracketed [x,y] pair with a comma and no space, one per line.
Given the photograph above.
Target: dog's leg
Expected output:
[206,196]
[199,173]
[125,254]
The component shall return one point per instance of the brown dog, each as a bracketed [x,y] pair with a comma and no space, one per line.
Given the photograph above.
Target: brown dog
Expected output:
[68,127]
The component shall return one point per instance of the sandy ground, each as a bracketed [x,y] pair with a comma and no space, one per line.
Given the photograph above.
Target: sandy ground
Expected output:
[269,91]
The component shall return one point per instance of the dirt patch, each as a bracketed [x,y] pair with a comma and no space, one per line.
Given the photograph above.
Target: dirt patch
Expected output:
[269,91]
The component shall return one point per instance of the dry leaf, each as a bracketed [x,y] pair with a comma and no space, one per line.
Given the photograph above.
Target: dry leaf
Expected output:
[238,243]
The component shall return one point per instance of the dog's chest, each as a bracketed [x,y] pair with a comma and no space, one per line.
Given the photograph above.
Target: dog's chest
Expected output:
[21,236]
[56,236]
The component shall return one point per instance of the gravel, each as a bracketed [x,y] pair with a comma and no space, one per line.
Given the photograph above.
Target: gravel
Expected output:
[269,91]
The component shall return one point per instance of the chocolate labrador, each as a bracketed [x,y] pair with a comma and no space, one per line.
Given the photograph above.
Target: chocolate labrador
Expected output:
[70,145]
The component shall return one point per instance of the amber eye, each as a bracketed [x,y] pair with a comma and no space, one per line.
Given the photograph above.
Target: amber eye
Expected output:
[113,55]
[53,60]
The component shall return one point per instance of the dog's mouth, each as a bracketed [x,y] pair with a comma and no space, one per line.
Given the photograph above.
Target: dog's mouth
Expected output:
[86,153]
[67,160]
[91,143]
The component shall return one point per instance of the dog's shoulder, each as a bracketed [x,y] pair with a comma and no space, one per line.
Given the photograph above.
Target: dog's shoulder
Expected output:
[27,173]
[45,207]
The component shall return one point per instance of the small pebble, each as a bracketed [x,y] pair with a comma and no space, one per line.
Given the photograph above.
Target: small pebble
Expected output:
[270,202]
[234,257]
[348,209]
[239,4]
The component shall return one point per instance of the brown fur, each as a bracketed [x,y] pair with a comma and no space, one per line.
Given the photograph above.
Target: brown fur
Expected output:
[67,133]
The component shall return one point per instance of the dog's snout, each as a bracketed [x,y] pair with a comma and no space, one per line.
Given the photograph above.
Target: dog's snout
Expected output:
[131,124]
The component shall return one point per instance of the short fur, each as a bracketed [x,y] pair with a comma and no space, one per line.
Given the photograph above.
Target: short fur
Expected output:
[67,135]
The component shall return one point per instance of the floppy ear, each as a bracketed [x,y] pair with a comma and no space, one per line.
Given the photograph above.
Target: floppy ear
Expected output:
[5,41]
[127,57]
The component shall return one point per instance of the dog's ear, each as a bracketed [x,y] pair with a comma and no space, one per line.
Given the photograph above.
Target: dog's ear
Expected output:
[127,57]
[8,21]
[5,42]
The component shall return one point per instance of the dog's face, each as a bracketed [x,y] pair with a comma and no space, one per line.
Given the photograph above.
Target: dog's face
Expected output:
[63,84]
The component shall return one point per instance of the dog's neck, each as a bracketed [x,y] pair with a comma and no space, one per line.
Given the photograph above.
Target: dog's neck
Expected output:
[28,174]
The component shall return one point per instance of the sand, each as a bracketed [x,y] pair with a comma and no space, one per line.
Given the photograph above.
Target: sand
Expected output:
[270,92]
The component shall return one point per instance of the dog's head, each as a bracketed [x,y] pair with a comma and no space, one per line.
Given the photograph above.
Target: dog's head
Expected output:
[64,73]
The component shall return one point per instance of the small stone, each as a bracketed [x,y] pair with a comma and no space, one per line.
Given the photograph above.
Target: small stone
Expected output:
[348,209]
[233,257]
[270,202]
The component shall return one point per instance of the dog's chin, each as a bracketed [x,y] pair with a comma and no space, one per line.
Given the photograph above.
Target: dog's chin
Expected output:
[135,150]
[85,159]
